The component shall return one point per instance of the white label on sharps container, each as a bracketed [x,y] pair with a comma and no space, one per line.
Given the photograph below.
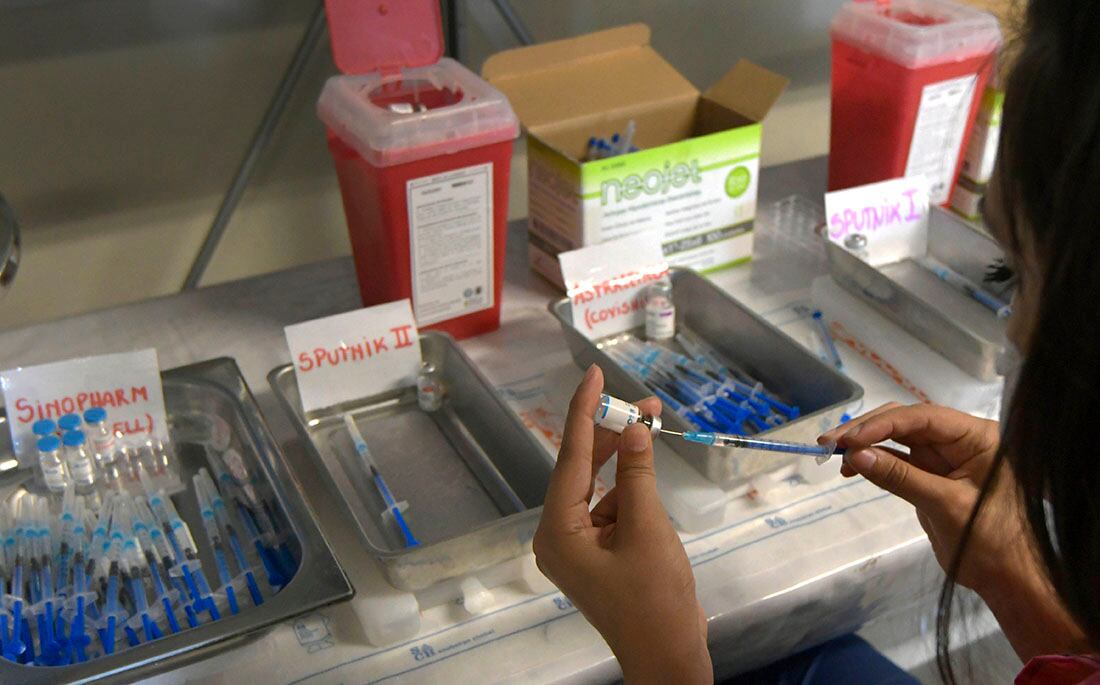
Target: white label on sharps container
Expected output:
[451,241]
[938,133]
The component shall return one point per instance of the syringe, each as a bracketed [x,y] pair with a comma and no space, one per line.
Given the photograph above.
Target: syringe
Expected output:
[615,415]
[133,568]
[256,526]
[213,536]
[18,641]
[821,452]
[113,613]
[187,556]
[49,645]
[394,509]
[157,547]
[221,513]
[78,640]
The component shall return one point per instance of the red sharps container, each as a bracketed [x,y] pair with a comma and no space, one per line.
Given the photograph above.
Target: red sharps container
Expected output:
[422,148]
[907,79]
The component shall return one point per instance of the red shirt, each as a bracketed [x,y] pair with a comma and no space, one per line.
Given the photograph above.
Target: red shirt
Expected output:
[1060,670]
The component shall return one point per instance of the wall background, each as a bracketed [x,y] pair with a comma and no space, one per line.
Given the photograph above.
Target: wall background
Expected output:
[123,121]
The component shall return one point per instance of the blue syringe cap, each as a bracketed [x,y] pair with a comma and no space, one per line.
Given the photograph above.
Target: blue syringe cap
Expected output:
[95,415]
[73,438]
[69,422]
[50,443]
[43,427]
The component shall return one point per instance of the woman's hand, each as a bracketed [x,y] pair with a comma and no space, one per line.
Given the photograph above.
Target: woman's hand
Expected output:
[622,564]
[950,455]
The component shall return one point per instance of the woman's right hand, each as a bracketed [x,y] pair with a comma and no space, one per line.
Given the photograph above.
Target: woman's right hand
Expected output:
[950,454]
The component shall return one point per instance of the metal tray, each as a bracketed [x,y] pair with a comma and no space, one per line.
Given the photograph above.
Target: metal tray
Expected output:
[212,388]
[740,335]
[473,475]
[960,329]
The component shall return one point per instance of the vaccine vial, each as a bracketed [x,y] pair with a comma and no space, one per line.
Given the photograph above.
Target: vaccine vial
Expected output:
[43,427]
[154,457]
[429,388]
[68,422]
[660,312]
[615,415]
[79,460]
[54,473]
[857,245]
[102,439]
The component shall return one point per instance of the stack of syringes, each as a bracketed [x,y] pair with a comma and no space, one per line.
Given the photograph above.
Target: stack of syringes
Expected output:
[701,387]
[78,583]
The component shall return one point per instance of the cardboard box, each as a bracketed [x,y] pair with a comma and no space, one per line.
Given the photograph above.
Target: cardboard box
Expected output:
[980,155]
[695,176]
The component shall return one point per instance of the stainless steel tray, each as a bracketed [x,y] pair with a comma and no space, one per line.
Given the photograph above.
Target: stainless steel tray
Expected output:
[473,475]
[212,388]
[960,329]
[741,336]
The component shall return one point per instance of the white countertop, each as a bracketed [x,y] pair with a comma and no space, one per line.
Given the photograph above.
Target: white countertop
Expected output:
[813,562]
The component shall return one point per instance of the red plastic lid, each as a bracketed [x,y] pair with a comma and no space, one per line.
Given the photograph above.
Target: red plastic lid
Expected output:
[384,35]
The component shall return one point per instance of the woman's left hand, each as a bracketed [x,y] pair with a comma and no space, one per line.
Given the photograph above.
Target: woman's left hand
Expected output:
[622,564]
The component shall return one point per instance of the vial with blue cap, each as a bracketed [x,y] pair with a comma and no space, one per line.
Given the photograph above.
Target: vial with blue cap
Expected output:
[43,428]
[68,422]
[79,460]
[54,473]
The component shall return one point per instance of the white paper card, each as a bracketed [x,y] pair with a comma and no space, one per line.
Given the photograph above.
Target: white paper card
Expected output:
[127,385]
[605,282]
[892,215]
[355,354]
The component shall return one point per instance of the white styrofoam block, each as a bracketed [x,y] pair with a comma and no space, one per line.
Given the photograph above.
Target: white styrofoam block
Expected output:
[388,617]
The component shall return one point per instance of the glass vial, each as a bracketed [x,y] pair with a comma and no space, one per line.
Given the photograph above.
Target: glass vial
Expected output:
[857,245]
[43,428]
[68,422]
[79,460]
[102,439]
[429,388]
[54,473]
[615,415]
[660,312]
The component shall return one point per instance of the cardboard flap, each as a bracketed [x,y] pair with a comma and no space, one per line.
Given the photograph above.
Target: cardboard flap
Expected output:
[748,89]
[509,63]
[578,78]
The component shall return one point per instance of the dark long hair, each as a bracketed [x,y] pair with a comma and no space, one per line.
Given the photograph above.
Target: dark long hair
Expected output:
[1049,189]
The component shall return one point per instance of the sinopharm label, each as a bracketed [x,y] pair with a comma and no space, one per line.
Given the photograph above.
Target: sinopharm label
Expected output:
[692,191]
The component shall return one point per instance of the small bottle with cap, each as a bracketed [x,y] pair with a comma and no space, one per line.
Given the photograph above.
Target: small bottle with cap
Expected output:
[857,245]
[102,439]
[79,460]
[43,428]
[660,312]
[54,473]
[68,422]
[429,388]
[615,415]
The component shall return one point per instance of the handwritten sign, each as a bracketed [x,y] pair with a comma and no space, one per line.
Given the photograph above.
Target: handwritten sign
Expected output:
[127,385]
[356,354]
[605,282]
[892,215]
